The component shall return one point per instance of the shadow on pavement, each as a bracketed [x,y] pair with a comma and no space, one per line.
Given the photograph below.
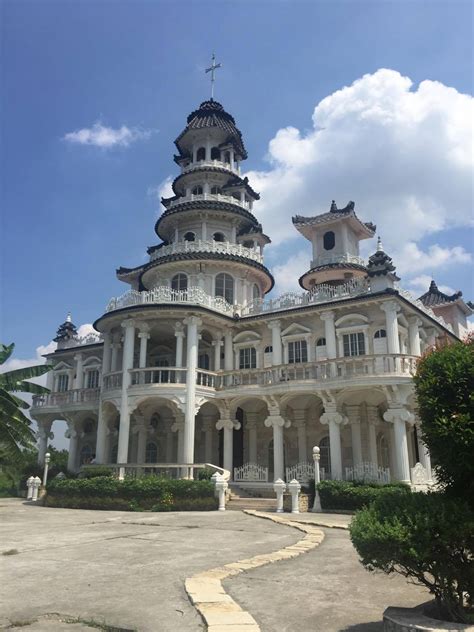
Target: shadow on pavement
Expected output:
[375,626]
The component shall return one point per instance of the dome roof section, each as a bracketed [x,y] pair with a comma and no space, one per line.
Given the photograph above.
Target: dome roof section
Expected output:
[211,114]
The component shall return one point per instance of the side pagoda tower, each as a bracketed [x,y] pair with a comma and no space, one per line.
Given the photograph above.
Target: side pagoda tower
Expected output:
[210,239]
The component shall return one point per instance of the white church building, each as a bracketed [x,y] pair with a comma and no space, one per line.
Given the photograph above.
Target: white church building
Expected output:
[193,364]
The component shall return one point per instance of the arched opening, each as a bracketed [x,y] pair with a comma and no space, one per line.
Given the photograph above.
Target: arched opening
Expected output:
[329,240]
[218,237]
[225,287]
[325,456]
[197,190]
[383,451]
[201,154]
[227,157]
[215,153]
[203,361]
[216,190]
[89,426]
[86,455]
[180,281]
[151,452]
[189,236]
[321,353]
[255,291]
[248,244]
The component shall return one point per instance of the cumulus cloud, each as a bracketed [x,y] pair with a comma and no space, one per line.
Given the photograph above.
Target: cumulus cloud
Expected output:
[403,153]
[107,137]
[287,274]
[420,284]
[164,189]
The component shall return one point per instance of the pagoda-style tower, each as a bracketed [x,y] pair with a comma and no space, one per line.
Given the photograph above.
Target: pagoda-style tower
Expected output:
[210,238]
[335,238]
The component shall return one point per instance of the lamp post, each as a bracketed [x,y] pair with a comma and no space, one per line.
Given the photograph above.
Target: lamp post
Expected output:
[317,501]
[47,458]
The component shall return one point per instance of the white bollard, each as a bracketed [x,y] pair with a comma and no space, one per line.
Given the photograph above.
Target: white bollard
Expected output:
[221,488]
[47,458]
[294,488]
[36,486]
[29,487]
[279,487]
[317,501]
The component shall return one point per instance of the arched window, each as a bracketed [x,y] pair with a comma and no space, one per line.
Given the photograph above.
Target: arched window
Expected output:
[268,349]
[321,349]
[88,426]
[381,333]
[255,291]
[179,281]
[151,452]
[329,240]
[218,237]
[380,341]
[248,358]
[86,454]
[225,287]
[325,455]
[215,153]
[227,157]
[216,190]
[203,361]
[154,421]
[248,244]
[189,236]
[197,190]
[384,452]
[201,154]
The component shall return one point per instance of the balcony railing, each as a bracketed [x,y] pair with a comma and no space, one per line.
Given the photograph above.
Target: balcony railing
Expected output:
[210,197]
[356,367]
[210,163]
[220,247]
[67,398]
[324,260]
[159,375]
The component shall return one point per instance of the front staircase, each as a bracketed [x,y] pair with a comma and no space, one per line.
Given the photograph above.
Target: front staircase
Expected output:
[240,499]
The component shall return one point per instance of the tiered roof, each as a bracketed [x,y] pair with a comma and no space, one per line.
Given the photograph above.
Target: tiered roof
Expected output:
[434,296]
[300,221]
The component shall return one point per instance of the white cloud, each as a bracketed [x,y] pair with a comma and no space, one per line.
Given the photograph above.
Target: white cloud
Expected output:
[421,283]
[164,189]
[287,274]
[106,137]
[404,155]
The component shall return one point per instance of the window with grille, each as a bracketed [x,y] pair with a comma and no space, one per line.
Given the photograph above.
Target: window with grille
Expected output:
[92,379]
[179,282]
[63,382]
[225,287]
[248,358]
[197,190]
[354,344]
[151,452]
[297,351]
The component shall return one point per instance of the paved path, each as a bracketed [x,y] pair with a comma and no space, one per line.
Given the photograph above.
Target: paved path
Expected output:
[128,570]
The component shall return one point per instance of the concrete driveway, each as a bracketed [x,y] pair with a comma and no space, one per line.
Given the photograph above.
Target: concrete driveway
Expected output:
[127,570]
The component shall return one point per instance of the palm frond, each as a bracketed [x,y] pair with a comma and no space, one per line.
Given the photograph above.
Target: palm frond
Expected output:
[5,352]
[13,380]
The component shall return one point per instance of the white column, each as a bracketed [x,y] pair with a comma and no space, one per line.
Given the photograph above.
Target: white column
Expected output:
[127,364]
[353,414]
[275,327]
[142,437]
[217,344]
[334,420]
[208,149]
[179,333]
[79,383]
[277,423]
[106,354]
[227,426]
[330,334]
[399,417]
[101,445]
[228,352]
[144,337]
[191,372]
[391,325]
[231,151]
[73,441]
[44,428]
[115,346]
[300,423]
[425,458]
[372,421]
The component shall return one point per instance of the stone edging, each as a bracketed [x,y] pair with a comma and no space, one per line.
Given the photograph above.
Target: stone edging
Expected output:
[205,591]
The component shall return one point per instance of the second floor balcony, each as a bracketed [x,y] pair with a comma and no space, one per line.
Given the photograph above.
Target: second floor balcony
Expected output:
[76,398]
[220,247]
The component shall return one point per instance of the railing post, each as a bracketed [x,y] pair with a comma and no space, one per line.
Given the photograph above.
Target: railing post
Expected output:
[36,485]
[221,487]
[294,488]
[317,501]
[29,487]
[279,488]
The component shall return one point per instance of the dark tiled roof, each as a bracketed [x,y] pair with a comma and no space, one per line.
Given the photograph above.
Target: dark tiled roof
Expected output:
[206,205]
[434,296]
[334,213]
[212,114]
[236,182]
[380,263]
[332,266]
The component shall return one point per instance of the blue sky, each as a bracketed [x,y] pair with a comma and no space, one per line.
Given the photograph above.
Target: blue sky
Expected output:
[72,213]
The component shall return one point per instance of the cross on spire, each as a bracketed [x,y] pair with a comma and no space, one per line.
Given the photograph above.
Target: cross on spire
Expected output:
[212,70]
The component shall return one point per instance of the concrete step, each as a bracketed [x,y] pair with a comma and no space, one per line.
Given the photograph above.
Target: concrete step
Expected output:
[258,504]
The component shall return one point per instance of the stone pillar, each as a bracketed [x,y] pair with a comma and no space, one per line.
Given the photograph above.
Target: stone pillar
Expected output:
[275,327]
[251,426]
[391,325]
[44,429]
[425,458]
[142,432]
[334,420]
[73,442]
[330,334]
[414,335]
[127,364]
[353,414]
[144,337]
[399,417]
[299,417]
[277,422]
[79,382]
[228,352]
[179,334]
[101,445]
[192,323]
[217,344]
[227,426]
[106,355]
[115,347]
[372,421]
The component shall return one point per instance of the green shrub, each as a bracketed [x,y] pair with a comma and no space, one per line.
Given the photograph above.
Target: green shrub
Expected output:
[205,474]
[94,472]
[352,495]
[428,538]
[444,384]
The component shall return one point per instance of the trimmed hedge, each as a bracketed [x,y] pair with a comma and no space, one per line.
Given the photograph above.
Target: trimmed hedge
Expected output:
[149,493]
[353,495]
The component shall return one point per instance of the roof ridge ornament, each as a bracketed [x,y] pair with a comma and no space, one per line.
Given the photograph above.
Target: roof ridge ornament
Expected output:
[379,245]
[212,69]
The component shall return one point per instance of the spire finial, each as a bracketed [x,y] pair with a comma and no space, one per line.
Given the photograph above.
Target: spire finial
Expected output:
[212,68]
[379,244]
[69,317]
